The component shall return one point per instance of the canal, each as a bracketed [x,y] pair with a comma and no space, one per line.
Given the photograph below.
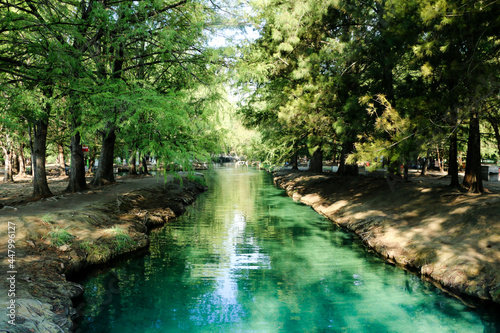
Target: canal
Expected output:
[246,258]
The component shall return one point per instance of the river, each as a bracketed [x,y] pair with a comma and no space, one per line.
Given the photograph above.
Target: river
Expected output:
[246,258]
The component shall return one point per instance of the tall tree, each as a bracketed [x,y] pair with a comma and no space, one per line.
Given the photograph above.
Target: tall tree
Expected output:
[458,44]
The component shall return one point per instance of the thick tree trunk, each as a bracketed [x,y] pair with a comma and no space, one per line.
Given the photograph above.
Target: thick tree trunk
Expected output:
[61,159]
[15,162]
[316,163]
[494,124]
[426,163]
[295,161]
[92,156]
[453,152]
[343,155]
[144,167]
[472,178]
[32,151]
[7,153]
[77,172]
[104,171]
[40,185]
[22,161]
[132,168]
[344,168]
[453,160]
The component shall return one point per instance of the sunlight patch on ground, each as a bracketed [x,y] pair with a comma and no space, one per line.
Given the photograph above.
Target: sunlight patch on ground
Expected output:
[459,210]
[310,199]
[367,214]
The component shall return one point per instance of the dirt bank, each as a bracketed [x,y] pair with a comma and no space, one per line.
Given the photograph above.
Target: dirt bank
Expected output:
[449,237]
[66,234]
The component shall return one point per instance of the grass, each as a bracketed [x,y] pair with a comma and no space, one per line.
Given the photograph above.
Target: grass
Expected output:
[47,218]
[60,236]
[98,253]
[86,246]
[197,179]
[121,239]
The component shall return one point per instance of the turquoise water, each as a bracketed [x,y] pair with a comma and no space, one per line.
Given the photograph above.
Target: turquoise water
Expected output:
[246,258]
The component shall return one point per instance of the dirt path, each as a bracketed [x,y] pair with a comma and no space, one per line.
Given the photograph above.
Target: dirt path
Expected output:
[64,234]
[449,237]
[35,219]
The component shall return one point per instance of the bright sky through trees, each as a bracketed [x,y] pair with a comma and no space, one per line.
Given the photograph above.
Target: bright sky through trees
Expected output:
[232,37]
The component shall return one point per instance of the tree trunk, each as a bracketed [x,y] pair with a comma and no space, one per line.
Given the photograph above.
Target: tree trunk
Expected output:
[406,168]
[494,124]
[294,161]
[346,148]
[453,152]
[7,153]
[453,160]
[61,159]
[132,168]
[77,172]
[104,171]
[40,185]
[22,161]
[439,160]
[144,168]
[15,162]
[472,178]
[426,163]
[32,151]
[92,156]
[316,163]
[344,168]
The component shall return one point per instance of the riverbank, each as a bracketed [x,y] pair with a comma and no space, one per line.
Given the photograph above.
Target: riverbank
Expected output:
[65,234]
[449,237]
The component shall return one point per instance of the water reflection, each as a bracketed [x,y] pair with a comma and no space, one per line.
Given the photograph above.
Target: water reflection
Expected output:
[245,258]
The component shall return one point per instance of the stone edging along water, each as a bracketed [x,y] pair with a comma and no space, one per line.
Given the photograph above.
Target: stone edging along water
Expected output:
[102,232]
[396,232]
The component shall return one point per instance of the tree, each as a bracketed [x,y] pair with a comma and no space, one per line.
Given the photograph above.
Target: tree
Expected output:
[7,147]
[459,44]
[427,65]
[153,45]
[32,61]
[96,57]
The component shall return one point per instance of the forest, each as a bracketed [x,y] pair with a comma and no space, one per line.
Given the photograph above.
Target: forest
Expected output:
[384,82]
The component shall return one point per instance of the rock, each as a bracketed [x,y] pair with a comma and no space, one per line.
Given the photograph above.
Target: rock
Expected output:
[31,316]
[177,207]
[64,248]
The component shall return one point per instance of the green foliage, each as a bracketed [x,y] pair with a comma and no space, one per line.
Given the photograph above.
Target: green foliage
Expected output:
[143,70]
[96,253]
[141,67]
[121,240]
[86,246]
[47,218]
[60,236]
[197,178]
[422,65]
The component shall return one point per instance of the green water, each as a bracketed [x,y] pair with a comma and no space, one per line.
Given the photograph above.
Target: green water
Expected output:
[246,258]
